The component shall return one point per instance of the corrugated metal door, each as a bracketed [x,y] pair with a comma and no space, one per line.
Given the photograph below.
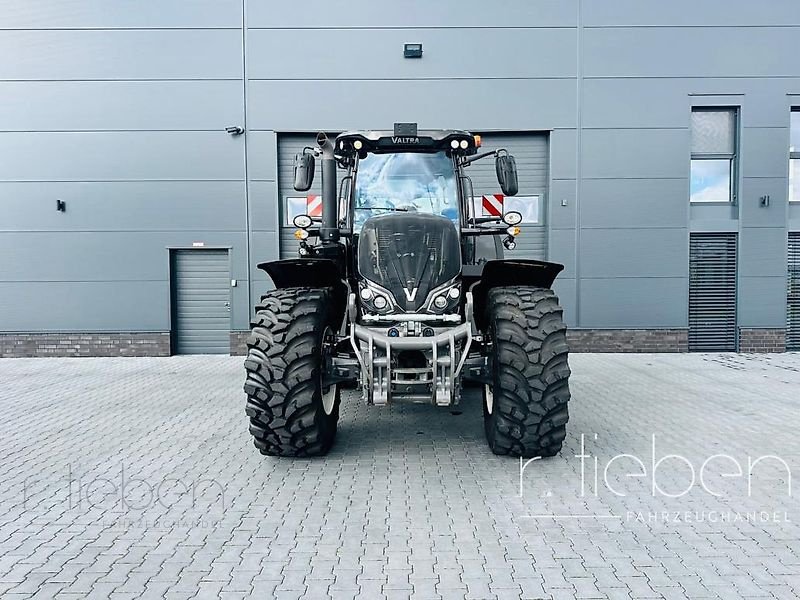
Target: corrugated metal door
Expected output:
[290,144]
[531,153]
[529,150]
[201,307]
[712,292]
[793,299]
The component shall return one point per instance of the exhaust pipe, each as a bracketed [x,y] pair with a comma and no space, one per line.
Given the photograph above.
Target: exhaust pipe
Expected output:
[329,231]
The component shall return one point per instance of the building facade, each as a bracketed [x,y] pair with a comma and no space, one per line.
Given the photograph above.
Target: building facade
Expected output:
[654,140]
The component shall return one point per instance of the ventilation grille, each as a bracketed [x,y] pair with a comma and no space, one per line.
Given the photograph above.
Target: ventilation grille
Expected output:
[793,299]
[712,292]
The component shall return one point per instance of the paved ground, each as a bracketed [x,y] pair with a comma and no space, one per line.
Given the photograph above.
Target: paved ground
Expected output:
[136,478]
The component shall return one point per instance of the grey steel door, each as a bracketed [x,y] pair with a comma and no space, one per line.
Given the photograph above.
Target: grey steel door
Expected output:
[201,307]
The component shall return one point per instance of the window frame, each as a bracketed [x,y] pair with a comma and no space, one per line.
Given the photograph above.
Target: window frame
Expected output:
[732,157]
[793,156]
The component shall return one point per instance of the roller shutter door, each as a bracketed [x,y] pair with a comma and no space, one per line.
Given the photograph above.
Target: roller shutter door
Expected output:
[793,299]
[529,150]
[531,153]
[290,144]
[712,292]
[200,302]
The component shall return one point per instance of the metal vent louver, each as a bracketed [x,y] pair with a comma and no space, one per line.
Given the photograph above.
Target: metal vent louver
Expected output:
[793,296]
[712,292]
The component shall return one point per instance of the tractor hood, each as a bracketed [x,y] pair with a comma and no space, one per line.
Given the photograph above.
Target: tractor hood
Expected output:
[409,254]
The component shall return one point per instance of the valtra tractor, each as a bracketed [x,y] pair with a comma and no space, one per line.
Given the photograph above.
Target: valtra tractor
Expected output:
[401,290]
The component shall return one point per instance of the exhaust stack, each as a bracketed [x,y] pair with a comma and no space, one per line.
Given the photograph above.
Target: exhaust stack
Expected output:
[329,231]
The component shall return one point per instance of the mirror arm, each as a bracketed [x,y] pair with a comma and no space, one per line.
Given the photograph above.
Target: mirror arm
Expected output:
[474,157]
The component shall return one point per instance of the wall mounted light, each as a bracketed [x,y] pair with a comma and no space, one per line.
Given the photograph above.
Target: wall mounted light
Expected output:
[412,51]
[61,206]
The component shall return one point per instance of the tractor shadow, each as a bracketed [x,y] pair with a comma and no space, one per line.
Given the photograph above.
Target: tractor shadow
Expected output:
[364,430]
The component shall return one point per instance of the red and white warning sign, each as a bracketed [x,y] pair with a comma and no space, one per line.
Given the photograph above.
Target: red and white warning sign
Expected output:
[314,205]
[492,205]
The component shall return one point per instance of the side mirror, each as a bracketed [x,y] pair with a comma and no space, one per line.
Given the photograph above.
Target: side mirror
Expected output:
[506,168]
[303,171]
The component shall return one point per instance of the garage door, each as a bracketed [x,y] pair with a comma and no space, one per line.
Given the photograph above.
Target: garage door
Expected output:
[201,306]
[530,151]
[290,144]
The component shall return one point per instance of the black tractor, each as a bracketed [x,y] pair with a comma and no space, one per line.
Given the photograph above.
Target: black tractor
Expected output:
[401,290]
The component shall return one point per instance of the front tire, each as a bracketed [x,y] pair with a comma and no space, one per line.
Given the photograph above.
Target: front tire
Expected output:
[525,405]
[290,412]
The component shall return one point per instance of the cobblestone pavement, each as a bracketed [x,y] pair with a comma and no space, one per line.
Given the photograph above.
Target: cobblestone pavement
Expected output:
[128,478]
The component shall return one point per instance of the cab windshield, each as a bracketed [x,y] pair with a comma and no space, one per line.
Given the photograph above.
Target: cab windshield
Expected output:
[405,182]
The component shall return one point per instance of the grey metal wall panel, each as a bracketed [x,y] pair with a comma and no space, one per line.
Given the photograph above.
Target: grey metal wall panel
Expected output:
[565,289]
[762,302]
[101,255]
[82,105]
[41,306]
[200,302]
[447,54]
[714,13]
[634,103]
[413,13]
[635,153]
[123,206]
[261,155]
[751,191]
[118,155]
[689,52]
[764,152]
[121,54]
[712,292]
[641,203]
[562,209]
[504,104]
[633,302]
[793,293]
[563,154]
[264,206]
[762,251]
[87,14]
[561,249]
[644,253]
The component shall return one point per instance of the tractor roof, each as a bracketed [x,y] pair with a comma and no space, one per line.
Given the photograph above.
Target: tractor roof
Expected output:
[409,140]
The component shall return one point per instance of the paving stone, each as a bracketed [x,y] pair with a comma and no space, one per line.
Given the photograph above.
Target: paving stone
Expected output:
[408,504]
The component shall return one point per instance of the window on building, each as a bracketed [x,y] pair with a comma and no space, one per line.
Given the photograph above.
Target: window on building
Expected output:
[713,173]
[794,156]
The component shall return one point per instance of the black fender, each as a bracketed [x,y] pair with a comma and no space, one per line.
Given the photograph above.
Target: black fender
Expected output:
[504,273]
[310,272]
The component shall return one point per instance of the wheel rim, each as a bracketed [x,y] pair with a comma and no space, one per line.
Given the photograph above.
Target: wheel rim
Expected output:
[329,399]
[488,398]
[329,394]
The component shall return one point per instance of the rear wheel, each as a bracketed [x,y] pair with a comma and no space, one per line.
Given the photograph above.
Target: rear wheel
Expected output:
[291,413]
[525,405]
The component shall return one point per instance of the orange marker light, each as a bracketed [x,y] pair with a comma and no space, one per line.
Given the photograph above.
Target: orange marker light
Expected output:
[477,139]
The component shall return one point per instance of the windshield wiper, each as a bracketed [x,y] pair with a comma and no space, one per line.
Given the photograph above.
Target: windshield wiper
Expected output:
[381,208]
